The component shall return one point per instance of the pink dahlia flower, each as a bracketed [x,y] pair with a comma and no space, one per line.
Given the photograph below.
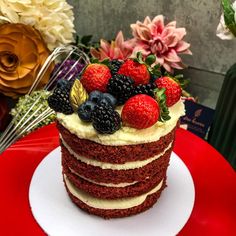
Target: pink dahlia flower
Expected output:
[165,41]
[114,50]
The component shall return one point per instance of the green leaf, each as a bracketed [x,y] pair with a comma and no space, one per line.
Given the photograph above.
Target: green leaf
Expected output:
[105,61]
[150,59]
[161,99]
[229,16]
[86,39]
[155,70]
[139,56]
[94,60]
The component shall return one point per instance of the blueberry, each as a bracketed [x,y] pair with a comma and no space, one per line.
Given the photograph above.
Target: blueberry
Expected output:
[95,96]
[105,102]
[110,98]
[85,110]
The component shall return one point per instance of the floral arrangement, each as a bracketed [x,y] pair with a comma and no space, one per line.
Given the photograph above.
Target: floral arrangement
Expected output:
[29,30]
[117,49]
[226,29]
[53,19]
[149,37]
[22,54]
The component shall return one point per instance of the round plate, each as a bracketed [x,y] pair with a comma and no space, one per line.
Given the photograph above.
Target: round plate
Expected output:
[58,216]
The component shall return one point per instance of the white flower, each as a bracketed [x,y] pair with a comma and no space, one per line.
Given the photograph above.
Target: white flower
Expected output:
[234,7]
[222,31]
[53,18]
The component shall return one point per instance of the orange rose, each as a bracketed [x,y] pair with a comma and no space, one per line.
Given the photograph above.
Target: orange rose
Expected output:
[22,54]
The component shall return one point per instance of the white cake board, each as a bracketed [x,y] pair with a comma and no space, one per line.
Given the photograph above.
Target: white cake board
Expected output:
[58,216]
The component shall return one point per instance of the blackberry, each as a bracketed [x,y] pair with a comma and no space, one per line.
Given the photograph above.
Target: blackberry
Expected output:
[121,87]
[105,119]
[59,101]
[153,78]
[145,89]
[114,66]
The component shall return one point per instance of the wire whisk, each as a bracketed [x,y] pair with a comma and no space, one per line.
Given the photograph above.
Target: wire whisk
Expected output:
[33,115]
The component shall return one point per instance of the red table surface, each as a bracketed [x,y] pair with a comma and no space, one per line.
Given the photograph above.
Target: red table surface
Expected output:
[214,211]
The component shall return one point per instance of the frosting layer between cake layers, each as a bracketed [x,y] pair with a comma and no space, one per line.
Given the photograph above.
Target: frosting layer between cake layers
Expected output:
[120,203]
[105,165]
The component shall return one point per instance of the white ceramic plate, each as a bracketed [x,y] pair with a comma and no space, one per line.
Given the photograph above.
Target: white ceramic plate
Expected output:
[58,216]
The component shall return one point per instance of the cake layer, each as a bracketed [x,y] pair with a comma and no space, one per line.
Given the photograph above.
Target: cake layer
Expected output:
[98,174]
[126,135]
[106,192]
[105,165]
[115,154]
[120,208]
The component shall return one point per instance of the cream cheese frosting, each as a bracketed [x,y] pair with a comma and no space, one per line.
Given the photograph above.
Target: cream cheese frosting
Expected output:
[126,135]
[121,203]
[106,165]
[120,185]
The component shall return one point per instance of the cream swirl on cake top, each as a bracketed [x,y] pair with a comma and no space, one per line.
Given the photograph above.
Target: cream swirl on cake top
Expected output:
[126,135]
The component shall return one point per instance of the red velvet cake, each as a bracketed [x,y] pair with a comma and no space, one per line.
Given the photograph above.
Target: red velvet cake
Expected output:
[115,154]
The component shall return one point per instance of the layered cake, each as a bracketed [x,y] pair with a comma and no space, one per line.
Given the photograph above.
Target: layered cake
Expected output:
[117,141]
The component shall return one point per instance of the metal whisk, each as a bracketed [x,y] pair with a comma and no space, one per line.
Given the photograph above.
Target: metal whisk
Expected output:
[27,122]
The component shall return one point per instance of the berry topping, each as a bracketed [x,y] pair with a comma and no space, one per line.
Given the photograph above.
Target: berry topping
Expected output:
[121,87]
[104,102]
[95,77]
[173,89]
[110,98]
[105,119]
[138,72]
[85,110]
[145,89]
[59,101]
[140,112]
[114,66]
[95,96]
[98,97]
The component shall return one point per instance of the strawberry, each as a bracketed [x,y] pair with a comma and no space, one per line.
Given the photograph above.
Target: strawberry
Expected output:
[173,89]
[138,72]
[140,112]
[95,77]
